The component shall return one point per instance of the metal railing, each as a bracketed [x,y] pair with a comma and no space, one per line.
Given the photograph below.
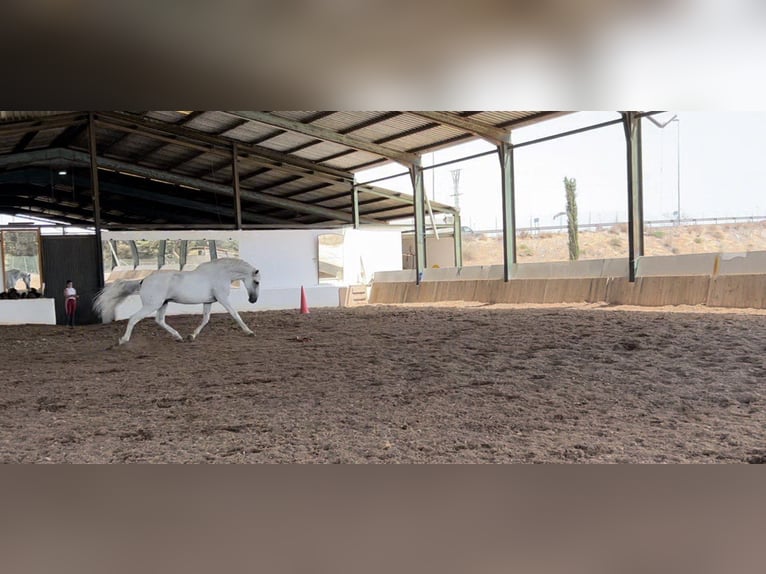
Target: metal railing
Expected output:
[647,224]
[447,227]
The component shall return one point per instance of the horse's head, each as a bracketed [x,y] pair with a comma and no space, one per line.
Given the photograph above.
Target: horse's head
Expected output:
[27,278]
[252,282]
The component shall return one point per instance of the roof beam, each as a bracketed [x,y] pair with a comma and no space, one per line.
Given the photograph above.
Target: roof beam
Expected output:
[24,141]
[44,213]
[48,123]
[533,119]
[243,176]
[327,199]
[219,145]
[193,115]
[329,135]
[42,156]
[209,169]
[180,202]
[22,202]
[444,143]
[67,136]
[181,122]
[254,196]
[480,129]
[278,183]
[253,154]
[391,208]
[402,198]
[115,188]
[407,133]
[371,122]
[128,213]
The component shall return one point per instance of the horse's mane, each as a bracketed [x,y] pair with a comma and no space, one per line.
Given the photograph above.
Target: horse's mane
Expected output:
[230,265]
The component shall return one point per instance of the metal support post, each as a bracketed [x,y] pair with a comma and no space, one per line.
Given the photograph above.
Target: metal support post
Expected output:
[235,180]
[134,253]
[355,203]
[505,151]
[632,125]
[183,250]
[457,235]
[418,189]
[161,253]
[96,197]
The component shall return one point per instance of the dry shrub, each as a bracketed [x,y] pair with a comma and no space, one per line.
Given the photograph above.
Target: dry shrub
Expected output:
[619,228]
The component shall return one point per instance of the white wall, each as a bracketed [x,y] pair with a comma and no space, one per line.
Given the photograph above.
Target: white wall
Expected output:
[27,311]
[439,252]
[287,260]
[368,250]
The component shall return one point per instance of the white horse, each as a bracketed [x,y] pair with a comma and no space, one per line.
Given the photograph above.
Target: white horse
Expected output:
[13,275]
[206,284]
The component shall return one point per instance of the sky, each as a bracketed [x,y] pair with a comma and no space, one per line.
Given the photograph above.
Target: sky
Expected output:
[722,170]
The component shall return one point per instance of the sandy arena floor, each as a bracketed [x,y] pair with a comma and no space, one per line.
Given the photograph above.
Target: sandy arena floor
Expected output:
[393,384]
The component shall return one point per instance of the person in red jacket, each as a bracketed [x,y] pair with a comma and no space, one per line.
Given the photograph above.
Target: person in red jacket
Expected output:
[70,302]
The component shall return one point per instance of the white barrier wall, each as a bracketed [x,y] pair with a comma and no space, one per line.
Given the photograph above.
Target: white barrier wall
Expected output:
[27,311]
[717,280]
[369,250]
[713,264]
[287,260]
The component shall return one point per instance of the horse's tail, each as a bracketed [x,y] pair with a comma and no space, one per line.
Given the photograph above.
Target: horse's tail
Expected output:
[109,297]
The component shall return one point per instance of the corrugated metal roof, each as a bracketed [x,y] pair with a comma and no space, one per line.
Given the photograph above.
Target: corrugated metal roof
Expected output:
[14,115]
[431,138]
[167,116]
[352,160]
[321,150]
[286,141]
[294,166]
[390,128]
[347,122]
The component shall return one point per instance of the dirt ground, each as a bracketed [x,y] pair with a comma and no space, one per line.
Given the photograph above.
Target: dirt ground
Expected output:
[392,384]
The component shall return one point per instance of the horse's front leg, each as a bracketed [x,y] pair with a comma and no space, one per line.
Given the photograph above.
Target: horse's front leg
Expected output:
[233,312]
[205,318]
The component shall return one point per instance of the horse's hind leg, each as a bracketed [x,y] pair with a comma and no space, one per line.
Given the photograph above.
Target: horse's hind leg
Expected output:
[161,322]
[205,318]
[143,312]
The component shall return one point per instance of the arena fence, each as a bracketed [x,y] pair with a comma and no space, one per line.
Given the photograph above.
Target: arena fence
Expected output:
[716,280]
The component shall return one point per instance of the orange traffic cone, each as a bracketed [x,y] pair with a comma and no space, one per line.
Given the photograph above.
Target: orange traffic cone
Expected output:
[304,304]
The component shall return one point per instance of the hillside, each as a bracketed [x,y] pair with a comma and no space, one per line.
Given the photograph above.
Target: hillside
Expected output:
[609,242]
